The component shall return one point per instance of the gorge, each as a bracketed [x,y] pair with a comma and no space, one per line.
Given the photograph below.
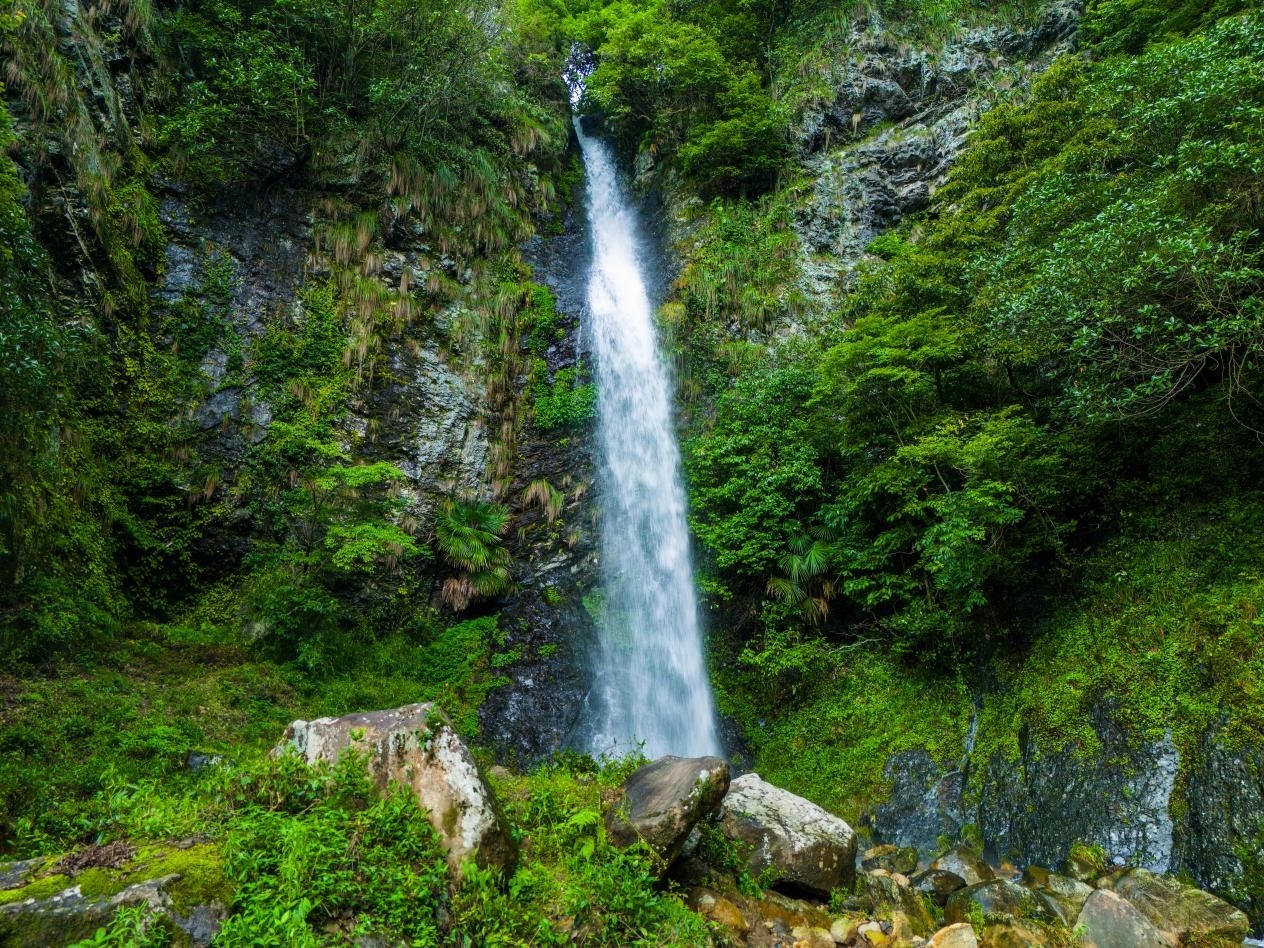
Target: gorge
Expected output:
[870,392]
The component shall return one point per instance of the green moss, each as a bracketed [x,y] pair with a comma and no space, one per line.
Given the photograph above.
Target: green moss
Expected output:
[832,741]
[41,888]
[200,868]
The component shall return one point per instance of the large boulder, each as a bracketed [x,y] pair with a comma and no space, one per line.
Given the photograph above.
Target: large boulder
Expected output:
[798,844]
[1065,896]
[998,899]
[1111,921]
[415,746]
[1181,910]
[661,803]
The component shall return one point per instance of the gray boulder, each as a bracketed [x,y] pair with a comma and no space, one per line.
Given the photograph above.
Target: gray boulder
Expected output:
[1186,913]
[966,863]
[799,843]
[998,898]
[1111,921]
[662,802]
[416,746]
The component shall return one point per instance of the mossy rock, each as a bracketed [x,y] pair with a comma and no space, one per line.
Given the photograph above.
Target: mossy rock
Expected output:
[184,885]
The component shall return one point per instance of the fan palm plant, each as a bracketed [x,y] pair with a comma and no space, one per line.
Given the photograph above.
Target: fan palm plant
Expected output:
[805,583]
[469,535]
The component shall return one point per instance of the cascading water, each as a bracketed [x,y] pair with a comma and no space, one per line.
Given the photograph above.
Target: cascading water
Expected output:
[650,678]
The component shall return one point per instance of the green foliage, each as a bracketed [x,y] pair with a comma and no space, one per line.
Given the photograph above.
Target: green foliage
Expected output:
[54,587]
[314,347]
[822,719]
[565,402]
[303,861]
[538,321]
[741,268]
[326,84]
[132,927]
[754,475]
[1092,264]
[685,79]
[1128,25]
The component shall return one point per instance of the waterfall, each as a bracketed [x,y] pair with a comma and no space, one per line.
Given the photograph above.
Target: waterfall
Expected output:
[650,675]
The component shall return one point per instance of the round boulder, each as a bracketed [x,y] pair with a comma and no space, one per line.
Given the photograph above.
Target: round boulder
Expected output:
[960,935]
[798,843]
[1065,895]
[891,858]
[938,884]
[966,863]
[662,802]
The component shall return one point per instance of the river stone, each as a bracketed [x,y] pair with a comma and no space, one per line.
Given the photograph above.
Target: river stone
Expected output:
[960,935]
[416,746]
[1180,909]
[1110,921]
[804,846]
[878,893]
[938,884]
[1065,896]
[998,898]
[891,858]
[1018,933]
[966,863]
[663,801]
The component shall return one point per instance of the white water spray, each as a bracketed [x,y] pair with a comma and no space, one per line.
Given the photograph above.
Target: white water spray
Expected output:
[650,681]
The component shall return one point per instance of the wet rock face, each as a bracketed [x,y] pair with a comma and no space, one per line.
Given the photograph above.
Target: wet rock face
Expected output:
[926,804]
[883,142]
[662,802]
[415,746]
[437,431]
[803,845]
[549,624]
[1221,837]
[1039,807]
[1051,799]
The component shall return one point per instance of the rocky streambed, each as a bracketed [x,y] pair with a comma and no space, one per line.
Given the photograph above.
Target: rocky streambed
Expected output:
[766,867]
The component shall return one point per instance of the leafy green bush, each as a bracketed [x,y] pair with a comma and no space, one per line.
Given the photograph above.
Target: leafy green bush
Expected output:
[566,402]
[344,858]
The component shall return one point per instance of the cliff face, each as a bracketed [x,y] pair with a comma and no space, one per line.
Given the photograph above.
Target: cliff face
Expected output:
[199,302]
